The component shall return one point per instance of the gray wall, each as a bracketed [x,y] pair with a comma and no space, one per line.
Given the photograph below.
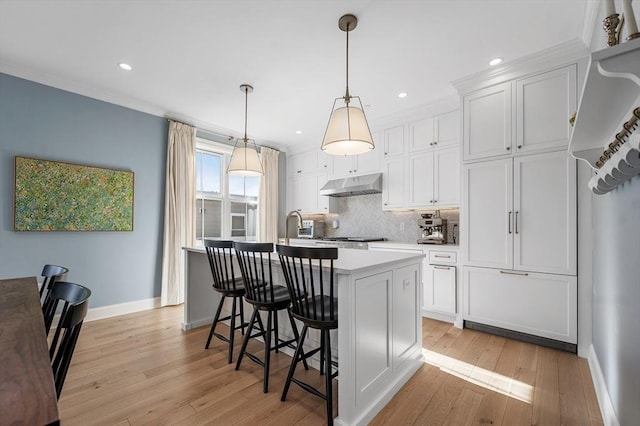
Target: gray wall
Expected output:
[43,122]
[616,296]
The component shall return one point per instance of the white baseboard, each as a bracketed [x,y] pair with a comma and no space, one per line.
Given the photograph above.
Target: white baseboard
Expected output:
[121,309]
[609,416]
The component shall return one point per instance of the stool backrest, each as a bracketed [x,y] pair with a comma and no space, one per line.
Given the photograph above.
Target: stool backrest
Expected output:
[51,273]
[308,272]
[255,265]
[75,300]
[220,255]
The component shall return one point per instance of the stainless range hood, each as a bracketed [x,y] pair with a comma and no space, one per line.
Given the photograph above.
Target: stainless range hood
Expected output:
[357,185]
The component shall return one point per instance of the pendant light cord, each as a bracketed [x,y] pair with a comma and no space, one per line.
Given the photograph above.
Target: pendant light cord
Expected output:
[347,97]
[246,96]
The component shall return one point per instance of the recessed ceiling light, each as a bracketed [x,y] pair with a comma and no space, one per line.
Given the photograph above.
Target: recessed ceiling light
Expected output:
[402,94]
[495,61]
[298,132]
[125,66]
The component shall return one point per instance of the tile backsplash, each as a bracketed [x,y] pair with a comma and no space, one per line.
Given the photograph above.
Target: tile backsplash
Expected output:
[362,216]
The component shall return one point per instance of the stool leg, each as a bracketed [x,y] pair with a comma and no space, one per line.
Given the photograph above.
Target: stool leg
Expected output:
[322,348]
[267,352]
[245,341]
[232,331]
[296,336]
[328,379]
[275,329]
[294,362]
[215,321]
[242,323]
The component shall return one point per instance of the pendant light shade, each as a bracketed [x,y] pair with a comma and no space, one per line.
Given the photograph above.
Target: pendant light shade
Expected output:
[244,159]
[348,131]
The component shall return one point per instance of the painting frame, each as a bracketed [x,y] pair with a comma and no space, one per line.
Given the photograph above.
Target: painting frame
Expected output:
[52,195]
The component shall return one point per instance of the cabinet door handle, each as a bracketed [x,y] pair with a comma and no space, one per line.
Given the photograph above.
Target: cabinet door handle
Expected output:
[441,267]
[509,220]
[508,148]
[522,274]
[517,222]
[519,146]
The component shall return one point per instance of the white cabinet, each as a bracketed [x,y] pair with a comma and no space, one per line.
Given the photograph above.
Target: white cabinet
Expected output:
[544,103]
[539,304]
[434,178]
[308,162]
[393,183]
[405,293]
[487,122]
[446,177]
[394,141]
[521,116]
[521,214]
[440,282]
[434,132]
[422,170]
[354,165]
[440,289]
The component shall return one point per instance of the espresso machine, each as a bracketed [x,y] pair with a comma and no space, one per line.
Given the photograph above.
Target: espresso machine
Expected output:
[434,229]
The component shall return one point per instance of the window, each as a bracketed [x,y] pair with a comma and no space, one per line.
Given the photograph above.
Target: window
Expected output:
[226,205]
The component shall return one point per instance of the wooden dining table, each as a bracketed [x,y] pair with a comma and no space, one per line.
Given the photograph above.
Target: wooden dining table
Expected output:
[27,391]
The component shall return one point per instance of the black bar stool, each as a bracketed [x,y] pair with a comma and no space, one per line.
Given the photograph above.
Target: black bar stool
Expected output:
[50,273]
[263,295]
[308,273]
[76,303]
[225,282]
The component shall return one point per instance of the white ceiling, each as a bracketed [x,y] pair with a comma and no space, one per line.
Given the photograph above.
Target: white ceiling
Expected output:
[190,57]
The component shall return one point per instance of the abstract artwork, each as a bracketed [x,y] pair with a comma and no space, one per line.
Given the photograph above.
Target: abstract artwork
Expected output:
[58,196]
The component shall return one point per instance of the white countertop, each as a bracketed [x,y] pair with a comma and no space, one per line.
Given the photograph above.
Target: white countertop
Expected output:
[352,261]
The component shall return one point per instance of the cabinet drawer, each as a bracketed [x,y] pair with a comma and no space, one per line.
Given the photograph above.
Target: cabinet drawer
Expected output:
[438,257]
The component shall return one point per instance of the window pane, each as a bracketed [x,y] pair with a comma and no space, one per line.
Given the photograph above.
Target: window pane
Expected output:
[208,219]
[208,174]
[244,185]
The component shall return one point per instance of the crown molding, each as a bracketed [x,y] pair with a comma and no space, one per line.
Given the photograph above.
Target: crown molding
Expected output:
[562,54]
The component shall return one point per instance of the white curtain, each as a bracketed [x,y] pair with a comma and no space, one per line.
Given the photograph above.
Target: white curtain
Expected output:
[179,210]
[268,197]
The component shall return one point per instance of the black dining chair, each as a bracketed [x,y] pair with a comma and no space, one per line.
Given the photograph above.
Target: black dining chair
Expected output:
[227,284]
[50,274]
[75,303]
[308,273]
[261,292]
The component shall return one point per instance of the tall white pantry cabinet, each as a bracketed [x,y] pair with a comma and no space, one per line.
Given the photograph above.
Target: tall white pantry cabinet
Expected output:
[519,201]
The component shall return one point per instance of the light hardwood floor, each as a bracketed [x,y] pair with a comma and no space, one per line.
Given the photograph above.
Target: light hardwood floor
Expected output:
[142,369]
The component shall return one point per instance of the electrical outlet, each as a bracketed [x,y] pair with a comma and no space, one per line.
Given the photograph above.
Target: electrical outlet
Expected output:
[402,226]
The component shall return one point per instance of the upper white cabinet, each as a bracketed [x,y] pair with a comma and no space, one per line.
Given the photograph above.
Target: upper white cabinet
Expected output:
[434,178]
[393,184]
[434,132]
[316,161]
[522,116]
[394,141]
[544,104]
[487,122]
[427,174]
[521,214]
[353,165]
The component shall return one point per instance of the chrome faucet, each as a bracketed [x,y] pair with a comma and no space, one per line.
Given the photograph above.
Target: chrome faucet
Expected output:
[286,224]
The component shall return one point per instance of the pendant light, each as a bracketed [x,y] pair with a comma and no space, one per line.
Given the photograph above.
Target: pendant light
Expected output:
[244,159]
[348,131]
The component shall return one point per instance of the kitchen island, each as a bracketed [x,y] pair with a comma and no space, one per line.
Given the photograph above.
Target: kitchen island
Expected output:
[380,329]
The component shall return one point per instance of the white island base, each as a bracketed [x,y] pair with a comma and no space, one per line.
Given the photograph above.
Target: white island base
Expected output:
[380,328]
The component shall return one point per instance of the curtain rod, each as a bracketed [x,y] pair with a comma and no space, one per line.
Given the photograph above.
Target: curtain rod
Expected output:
[227,137]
